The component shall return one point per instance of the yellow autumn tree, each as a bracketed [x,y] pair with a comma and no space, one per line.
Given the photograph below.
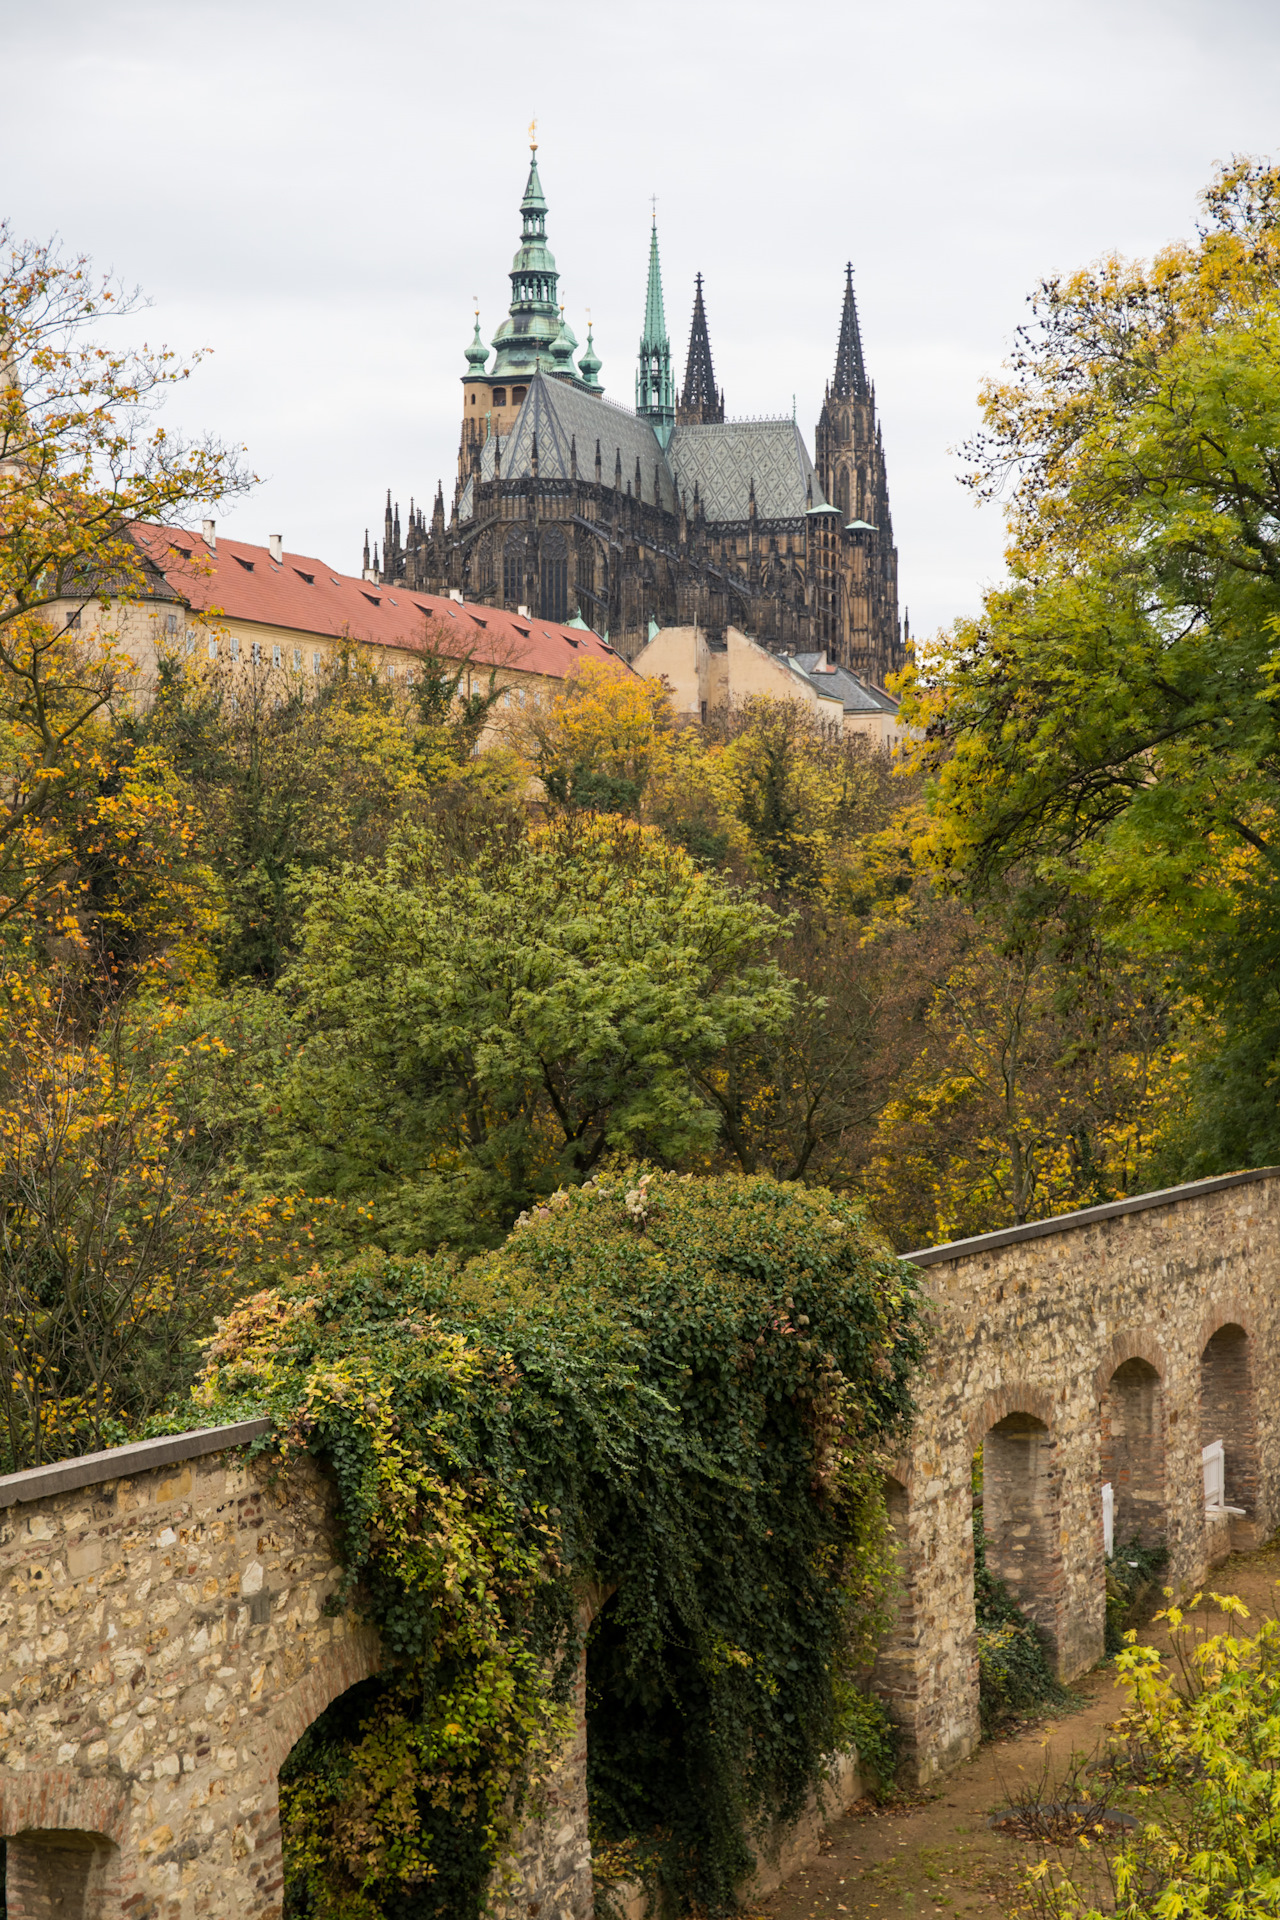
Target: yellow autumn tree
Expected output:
[604,741]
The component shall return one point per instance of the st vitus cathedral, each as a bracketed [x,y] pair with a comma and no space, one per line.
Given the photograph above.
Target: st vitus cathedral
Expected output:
[571,507]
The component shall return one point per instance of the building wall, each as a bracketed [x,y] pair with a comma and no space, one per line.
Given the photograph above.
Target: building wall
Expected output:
[704,679]
[148,631]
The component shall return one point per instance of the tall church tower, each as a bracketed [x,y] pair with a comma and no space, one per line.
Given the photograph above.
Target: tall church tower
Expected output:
[655,385]
[849,457]
[699,404]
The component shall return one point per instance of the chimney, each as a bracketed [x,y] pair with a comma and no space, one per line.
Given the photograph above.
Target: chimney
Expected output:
[275,542]
[209,528]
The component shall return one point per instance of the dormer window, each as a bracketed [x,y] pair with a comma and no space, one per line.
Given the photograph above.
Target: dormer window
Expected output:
[246,564]
[499,396]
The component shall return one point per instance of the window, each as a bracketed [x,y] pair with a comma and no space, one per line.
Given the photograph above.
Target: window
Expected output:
[473,399]
[73,619]
[246,564]
[499,396]
[517,395]
[555,576]
[170,622]
[513,569]
[191,641]
[315,661]
[257,654]
[391,669]
[308,577]
[275,656]
[235,646]
[297,659]
[213,649]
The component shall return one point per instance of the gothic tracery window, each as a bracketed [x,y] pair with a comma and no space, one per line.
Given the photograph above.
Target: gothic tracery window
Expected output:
[555,576]
[513,569]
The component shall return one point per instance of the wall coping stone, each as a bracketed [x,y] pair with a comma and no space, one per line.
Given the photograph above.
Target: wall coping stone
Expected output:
[116,1463]
[1086,1217]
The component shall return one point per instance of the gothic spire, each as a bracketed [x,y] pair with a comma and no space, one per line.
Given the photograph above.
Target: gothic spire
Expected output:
[851,376]
[700,401]
[655,388]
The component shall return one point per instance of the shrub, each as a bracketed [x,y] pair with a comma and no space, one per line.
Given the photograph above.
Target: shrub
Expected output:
[676,1389]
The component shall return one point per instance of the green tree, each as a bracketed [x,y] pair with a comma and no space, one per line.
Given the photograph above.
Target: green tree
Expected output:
[1109,722]
[481,1017]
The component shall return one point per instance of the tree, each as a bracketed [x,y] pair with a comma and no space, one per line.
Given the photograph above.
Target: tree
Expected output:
[1037,1076]
[290,777]
[483,1017]
[604,740]
[1109,723]
[115,1256]
[79,462]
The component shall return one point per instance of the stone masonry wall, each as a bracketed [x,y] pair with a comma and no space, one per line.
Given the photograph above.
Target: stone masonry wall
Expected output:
[163,1644]
[1030,1330]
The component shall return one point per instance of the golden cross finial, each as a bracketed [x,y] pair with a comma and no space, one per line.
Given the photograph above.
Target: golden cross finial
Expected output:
[533,129]
[654,198]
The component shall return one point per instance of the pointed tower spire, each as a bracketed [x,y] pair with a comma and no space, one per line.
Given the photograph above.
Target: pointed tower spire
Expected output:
[700,402]
[655,388]
[851,376]
[534,321]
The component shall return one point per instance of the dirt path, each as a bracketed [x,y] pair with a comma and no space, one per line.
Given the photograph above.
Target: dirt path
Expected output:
[936,1854]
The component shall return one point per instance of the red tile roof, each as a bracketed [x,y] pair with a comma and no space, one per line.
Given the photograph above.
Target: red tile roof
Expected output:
[304,595]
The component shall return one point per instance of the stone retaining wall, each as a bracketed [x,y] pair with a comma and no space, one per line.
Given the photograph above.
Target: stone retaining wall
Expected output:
[1110,1344]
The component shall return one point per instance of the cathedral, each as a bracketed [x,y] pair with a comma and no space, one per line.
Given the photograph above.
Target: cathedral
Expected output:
[568,506]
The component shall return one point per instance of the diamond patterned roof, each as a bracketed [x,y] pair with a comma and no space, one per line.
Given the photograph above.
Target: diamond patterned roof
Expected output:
[724,459]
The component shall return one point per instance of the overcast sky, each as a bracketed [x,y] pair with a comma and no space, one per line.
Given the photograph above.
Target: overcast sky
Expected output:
[315,192]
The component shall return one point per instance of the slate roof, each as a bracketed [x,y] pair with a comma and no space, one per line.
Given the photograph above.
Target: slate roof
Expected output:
[305,595]
[558,414]
[838,683]
[724,459]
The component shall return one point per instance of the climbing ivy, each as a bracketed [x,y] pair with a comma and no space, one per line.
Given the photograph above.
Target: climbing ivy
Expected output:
[669,1391]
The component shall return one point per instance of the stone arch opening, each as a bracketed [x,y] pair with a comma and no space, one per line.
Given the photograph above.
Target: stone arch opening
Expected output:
[1021,1522]
[1132,1454]
[61,1874]
[1227,1414]
[310,1758]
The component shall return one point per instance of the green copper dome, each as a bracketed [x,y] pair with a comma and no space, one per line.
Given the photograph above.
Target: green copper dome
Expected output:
[477,354]
[589,365]
[563,348]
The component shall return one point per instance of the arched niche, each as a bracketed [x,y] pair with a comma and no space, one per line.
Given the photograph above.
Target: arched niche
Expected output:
[1021,1519]
[61,1874]
[1227,1413]
[1132,1455]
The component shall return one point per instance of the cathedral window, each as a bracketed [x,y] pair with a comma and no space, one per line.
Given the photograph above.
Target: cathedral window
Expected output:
[555,577]
[513,569]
